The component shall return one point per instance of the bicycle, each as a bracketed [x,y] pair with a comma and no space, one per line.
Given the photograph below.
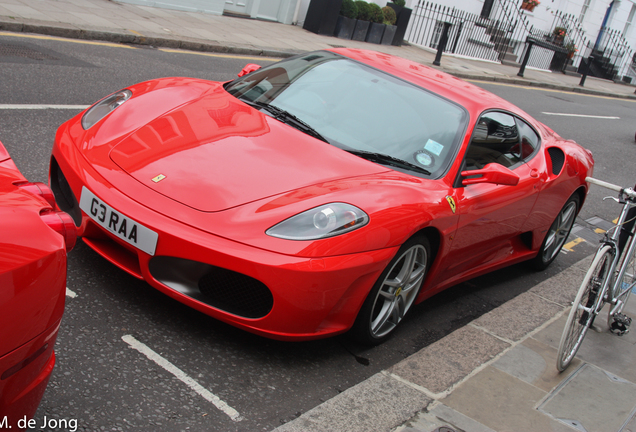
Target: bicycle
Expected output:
[610,279]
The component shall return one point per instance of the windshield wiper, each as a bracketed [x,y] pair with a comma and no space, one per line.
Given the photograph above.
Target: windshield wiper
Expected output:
[287,118]
[384,159]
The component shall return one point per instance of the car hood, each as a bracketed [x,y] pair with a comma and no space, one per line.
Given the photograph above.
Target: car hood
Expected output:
[216,152]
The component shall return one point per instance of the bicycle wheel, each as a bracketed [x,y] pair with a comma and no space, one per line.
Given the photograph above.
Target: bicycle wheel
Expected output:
[585,307]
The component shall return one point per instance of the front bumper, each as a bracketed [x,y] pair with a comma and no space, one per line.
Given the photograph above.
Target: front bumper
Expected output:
[275,295]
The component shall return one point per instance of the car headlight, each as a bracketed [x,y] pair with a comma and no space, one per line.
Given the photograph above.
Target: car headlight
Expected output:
[320,222]
[104,107]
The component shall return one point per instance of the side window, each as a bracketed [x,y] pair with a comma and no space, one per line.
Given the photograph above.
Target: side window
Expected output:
[495,140]
[529,139]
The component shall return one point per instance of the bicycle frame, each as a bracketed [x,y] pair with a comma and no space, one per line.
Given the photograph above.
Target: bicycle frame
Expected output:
[617,291]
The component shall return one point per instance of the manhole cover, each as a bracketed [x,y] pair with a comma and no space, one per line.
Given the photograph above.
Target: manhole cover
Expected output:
[8,50]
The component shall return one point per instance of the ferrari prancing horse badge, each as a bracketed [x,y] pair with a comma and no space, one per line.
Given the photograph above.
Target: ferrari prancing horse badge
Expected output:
[451,203]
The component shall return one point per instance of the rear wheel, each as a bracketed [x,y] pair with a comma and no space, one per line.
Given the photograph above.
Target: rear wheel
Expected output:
[587,303]
[557,234]
[394,293]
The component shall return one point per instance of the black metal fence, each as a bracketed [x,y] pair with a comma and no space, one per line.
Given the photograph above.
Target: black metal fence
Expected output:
[612,56]
[502,36]
[470,35]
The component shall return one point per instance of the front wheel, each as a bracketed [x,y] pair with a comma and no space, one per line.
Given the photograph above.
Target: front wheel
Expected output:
[587,304]
[557,234]
[393,294]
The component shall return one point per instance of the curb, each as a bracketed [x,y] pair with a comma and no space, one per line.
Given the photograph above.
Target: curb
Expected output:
[529,83]
[207,46]
[133,39]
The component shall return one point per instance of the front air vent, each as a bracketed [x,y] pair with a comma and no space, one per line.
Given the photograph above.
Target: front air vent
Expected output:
[558,159]
[224,289]
[64,197]
[236,293]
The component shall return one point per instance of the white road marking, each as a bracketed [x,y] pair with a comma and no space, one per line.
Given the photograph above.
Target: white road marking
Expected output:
[39,107]
[142,348]
[582,115]
[70,293]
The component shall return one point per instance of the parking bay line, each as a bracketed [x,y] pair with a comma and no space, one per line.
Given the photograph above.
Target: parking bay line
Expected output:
[40,106]
[582,115]
[182,376]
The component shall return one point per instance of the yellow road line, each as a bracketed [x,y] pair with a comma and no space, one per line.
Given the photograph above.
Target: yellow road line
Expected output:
[86,42]
[599,231]
[232,56]
[569,246]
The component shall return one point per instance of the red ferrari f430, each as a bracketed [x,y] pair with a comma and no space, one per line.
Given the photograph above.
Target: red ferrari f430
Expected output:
[326,193]
[34,240]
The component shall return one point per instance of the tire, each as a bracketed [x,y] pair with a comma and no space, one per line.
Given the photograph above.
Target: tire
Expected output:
[393,294]
[557,234]
[588,297]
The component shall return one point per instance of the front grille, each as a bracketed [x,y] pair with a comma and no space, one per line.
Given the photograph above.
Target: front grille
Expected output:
[236,293]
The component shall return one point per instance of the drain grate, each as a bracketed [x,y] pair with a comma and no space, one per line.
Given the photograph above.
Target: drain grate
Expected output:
[7,50]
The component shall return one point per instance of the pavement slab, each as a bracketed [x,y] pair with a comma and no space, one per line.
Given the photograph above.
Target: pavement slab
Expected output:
[518,317]
[588,392]
[444,363]
[503,403]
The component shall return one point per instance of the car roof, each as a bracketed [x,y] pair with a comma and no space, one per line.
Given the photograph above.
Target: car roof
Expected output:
[473,98]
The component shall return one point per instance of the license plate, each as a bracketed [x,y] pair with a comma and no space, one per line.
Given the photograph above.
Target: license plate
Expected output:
[125,228]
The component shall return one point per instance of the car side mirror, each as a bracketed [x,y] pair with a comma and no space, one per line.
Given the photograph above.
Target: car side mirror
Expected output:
[249,68]
[493,173]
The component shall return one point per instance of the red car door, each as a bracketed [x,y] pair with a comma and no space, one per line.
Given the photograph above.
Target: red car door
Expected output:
[492,216]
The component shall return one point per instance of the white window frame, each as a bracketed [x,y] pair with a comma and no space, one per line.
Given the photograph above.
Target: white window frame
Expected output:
[630,19]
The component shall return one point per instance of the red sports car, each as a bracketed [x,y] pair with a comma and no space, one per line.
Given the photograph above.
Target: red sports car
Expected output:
[34,240]
[325,193]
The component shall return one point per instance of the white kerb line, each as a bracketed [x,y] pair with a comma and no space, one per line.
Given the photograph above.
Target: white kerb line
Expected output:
[582,116]
[182,376]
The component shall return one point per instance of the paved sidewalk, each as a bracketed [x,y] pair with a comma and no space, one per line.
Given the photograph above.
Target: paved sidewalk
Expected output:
[497,373]
[117,22]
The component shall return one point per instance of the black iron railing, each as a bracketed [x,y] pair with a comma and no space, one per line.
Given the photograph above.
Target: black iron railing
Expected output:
[470,35]
[503,35]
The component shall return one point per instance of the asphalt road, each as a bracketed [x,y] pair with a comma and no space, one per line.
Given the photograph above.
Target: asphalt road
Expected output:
[104,384]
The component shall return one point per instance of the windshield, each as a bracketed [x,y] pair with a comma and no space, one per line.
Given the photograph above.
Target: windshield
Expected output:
[361,109]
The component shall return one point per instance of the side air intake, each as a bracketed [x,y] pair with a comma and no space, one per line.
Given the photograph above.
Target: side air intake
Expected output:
[558,159]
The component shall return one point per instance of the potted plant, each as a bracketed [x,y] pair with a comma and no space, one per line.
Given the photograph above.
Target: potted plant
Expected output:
[397,6]
[362,24]
[572,49]
[529,5]
[347,20]
[559,35]
[403,16]
[322,16]
[376,29]
[390,18]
